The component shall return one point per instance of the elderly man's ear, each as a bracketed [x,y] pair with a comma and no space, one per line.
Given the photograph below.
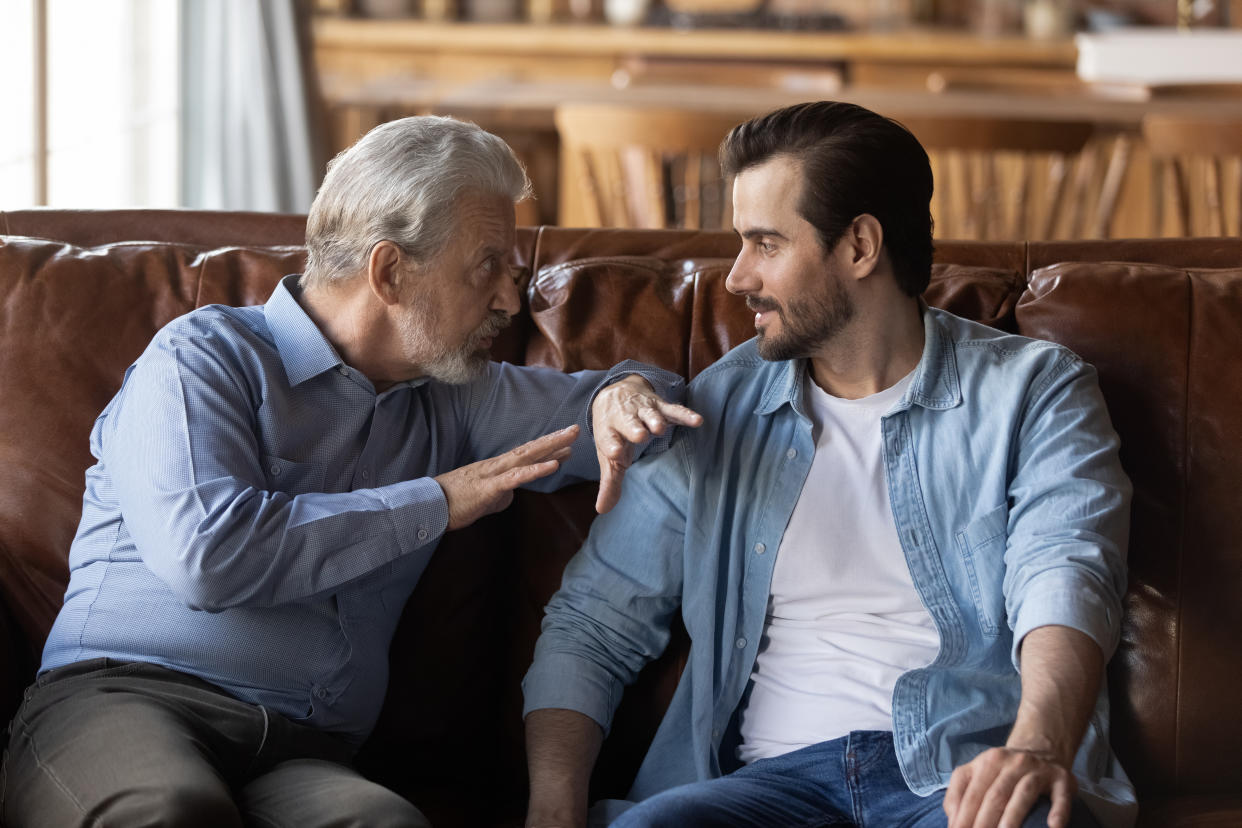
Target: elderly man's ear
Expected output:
[386,274]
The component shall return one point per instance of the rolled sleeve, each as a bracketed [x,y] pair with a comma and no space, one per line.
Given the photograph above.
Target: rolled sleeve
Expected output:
[613,612]
[1068,597]
[567,681]
[1069,520]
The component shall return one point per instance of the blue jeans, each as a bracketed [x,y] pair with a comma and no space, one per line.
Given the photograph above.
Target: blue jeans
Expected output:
[854,780]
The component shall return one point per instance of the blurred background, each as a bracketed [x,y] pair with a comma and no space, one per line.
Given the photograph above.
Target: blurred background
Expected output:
[1043,118]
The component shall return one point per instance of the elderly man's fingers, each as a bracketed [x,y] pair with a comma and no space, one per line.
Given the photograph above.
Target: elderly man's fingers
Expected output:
[610,479]
[537,449]
[653,420]
[612,446]
[611,476]
[680,415]
[522,475]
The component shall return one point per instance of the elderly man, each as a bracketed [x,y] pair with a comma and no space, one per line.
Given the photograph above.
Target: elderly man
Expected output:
[897,542]
[271,482]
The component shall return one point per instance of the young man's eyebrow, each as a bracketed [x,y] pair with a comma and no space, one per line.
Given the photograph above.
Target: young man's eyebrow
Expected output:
[757,232]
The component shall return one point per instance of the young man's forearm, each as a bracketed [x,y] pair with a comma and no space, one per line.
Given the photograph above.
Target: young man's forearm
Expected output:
[1061,672]
[561,748]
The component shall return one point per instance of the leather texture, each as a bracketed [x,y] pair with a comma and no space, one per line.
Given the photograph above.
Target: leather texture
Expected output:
[81,294]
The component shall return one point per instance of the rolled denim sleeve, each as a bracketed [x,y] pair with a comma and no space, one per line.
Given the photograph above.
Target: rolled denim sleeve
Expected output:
[618,596]
[1070,512]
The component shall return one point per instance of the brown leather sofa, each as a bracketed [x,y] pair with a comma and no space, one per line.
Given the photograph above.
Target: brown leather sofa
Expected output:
[81,293]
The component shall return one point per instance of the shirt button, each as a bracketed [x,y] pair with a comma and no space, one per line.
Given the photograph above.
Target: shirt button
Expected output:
[760,548]
[275,469]
[421,534]
[344,371]
[791,454]
[320,693]
[741,643]
[365,474]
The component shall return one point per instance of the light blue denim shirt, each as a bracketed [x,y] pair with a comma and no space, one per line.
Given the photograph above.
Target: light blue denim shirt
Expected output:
[258,514]
[1010,504]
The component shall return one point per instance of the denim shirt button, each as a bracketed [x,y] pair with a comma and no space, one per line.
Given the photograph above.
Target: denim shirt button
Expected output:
[760,548]
[741,643]
[791,454]
[321,693]
[421,534]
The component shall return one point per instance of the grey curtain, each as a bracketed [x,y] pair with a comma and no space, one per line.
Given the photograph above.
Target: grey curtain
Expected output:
[249,135]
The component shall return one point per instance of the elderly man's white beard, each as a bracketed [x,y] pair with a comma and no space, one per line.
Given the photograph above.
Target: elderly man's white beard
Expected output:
[454,367]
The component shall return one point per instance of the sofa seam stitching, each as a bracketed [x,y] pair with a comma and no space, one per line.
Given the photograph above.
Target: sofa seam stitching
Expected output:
[1181,533]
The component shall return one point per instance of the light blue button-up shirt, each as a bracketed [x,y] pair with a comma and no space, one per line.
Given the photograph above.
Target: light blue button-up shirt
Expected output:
[1010,505]
[258,514]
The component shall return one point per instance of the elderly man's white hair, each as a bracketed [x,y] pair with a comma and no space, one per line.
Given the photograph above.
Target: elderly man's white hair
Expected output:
[400,183]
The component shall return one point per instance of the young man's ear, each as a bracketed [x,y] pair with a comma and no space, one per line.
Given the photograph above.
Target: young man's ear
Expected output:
[864,240]
[386,273]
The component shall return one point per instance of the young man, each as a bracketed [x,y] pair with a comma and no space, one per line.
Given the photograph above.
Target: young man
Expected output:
[271,483]
[897,542]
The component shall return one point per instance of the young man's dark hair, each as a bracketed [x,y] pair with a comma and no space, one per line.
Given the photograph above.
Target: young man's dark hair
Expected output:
[854,161]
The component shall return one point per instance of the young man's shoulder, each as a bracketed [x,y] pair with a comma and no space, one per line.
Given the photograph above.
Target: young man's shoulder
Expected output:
[976,341]
[738,366]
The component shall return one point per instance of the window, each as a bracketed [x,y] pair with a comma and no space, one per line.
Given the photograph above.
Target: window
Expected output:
[101,130]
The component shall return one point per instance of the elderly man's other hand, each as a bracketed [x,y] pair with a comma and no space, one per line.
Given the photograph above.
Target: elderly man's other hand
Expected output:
[624,414]
[998,788]
[487,486]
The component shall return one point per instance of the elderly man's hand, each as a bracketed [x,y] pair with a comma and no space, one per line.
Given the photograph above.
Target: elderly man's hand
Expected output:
[626,413]
[998,788]
[487,486]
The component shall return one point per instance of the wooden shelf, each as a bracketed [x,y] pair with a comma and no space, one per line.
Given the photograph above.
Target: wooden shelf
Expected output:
[595,41]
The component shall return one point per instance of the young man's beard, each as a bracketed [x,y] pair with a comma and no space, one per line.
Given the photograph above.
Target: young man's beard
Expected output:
[808,323]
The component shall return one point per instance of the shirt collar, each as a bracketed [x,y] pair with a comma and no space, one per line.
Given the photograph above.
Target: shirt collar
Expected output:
[784,386]
[935,383]
[303,348]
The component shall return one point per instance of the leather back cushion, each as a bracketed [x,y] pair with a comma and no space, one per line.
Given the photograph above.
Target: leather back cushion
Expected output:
[1167,344]
[74,319]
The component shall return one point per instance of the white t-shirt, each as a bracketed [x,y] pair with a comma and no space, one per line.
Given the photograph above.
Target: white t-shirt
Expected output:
[844,620]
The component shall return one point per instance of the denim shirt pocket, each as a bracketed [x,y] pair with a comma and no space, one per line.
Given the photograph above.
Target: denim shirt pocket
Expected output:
[982,547]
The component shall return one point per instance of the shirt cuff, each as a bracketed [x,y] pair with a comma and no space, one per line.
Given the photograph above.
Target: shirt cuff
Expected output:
[419,512]
[1067,597]
[570,682]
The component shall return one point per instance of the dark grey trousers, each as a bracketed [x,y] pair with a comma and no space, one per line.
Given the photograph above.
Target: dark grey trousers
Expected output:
[105,743]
